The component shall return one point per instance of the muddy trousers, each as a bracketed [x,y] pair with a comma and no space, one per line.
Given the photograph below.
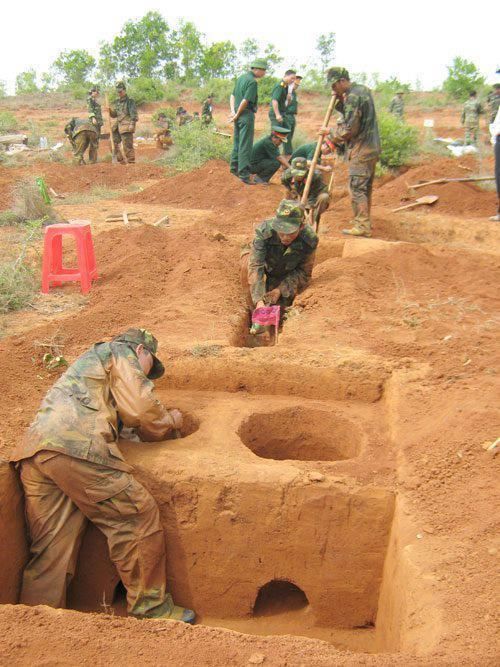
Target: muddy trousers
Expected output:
[318,206]
[242,145]
[127,139]
[82,141]
[61,494]
[361,177]
[471,134]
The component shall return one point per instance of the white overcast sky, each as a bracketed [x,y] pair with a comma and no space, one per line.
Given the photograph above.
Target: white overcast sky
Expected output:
[409,39]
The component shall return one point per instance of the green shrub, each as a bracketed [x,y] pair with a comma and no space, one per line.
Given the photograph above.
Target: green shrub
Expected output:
[168,111]
[172,90]
[399,141]
[195,144]
[144,90]
[18,282]
[7,121]
[221,89]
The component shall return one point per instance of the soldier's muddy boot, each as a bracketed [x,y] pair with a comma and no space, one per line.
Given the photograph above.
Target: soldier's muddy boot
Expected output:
[168,611]
[358,231]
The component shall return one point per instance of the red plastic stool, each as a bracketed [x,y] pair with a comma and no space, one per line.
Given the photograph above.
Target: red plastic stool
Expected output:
[52,268]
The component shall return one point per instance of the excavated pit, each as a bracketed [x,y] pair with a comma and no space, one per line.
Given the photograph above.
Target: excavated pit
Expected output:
[278,597]
[301,434]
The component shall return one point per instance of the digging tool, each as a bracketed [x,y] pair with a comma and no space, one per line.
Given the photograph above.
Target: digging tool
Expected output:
[165,220]
[428,199]
[317,151]
[330,186]
[111,138]
[472,179]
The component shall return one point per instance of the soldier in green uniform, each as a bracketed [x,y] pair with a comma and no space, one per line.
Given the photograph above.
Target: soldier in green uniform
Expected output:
[471,111]
[125,112]
[278,265]
[95,115]
[280,95]
[243,103]
[397,105]
[294,180]
[290,115]
[308,150]
[206,110]
[72,472]
[266,159]
[494,102]
[82,134]
[358,132]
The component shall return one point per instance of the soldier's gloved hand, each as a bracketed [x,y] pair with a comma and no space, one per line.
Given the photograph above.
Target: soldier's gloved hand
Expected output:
[176,416]
[273,296]
[256,329]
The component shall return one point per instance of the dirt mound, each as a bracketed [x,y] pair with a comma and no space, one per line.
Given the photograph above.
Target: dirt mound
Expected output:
[454,198]
[65,179]
[210,186]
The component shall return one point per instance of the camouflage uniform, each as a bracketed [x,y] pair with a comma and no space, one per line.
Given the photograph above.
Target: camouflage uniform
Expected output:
[494,104]
[73,471]
[124,110]
[318,198]
[95,116]
[269,264]
[206,112]
[358,130]
[397,106]
[472,109]
[163,135]
[82,134]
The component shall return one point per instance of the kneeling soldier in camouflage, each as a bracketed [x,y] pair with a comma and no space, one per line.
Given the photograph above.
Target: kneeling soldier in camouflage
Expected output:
[83,134]
[294,180]
[279,263]
[73,471]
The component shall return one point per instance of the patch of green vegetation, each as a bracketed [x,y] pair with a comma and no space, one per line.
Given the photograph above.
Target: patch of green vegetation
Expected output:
[220,88]
[8,121]
[18,281]
[399,141]
[194,145]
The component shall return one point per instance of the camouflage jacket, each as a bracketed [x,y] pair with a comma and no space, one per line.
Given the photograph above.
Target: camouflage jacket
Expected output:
[77,125]
[271,264]
[397,106]
[95,110]
[494,104]
[471,111]
[296,188]
[125,112]
[358,127]
[206,111]
[82,414]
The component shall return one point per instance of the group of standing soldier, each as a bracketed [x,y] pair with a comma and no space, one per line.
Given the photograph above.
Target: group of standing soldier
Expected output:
[472,111]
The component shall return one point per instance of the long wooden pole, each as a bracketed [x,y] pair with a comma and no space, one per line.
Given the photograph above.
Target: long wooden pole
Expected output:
[314,161]
[472,179]
[113,151]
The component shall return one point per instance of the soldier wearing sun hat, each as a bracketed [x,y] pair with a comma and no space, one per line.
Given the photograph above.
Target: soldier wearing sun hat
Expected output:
[243,103]
[279,263]
[266,159]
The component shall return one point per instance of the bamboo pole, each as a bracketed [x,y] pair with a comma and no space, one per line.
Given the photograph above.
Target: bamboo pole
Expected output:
[314,161]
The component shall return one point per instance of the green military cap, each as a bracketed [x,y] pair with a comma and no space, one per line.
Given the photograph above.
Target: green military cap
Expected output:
[259,63]
[280,132]
[299,167]
[120,86]
[145,338]
[334,74]
[289,216]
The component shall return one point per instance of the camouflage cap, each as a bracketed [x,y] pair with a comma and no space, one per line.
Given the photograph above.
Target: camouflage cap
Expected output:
[120,85]
[258,63]
[145,338]
[289,217]
[334,74]
[299,167]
